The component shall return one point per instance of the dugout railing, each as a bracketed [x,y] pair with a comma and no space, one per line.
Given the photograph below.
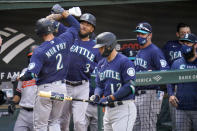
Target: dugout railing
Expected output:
[142,79]
[164,120]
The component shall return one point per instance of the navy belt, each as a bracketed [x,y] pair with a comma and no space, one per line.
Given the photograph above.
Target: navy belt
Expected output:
[74,83]
[27,109]
[114,104]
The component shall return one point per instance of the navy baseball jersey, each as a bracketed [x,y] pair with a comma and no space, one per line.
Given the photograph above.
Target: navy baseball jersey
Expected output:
[50,60]
[186,92]
[150,58]
[83,58]
[172,51]
[115,74]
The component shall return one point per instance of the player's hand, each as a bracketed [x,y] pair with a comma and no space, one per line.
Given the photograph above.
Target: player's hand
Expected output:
[57,9]
[11,107]
[105,100]
[75,11]
[174,101]
[95,98]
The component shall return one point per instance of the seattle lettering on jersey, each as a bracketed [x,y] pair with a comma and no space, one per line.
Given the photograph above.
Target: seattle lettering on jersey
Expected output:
[53,50]
[183,66]
[140,62]
[175,54]
[109,74]
[82,51]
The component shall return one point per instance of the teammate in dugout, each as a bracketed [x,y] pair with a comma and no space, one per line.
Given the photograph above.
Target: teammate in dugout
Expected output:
[25,93]
[83,58]
[148,98]
[49,66]
[185,98]
[115,77]
[172,52]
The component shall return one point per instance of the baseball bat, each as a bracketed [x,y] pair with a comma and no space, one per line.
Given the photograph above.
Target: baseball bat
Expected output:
[59,96]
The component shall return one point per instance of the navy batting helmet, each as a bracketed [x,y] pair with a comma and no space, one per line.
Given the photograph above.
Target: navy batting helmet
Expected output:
[44,27]
[88,18]
[108,40]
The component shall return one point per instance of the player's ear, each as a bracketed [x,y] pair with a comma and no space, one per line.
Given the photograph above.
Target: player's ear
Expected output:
[150,36]
[177,34]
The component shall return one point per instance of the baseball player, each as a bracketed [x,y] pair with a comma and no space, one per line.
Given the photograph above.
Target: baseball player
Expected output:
[185,97]
[172,48]
[83,58]
[172,51]
[114,80]
[149,58]
[49,65]
[25,93]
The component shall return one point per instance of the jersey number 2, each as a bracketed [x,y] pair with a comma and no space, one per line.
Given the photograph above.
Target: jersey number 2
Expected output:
[59,62]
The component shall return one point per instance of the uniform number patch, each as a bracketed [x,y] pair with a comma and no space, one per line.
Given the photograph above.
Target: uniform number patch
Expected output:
[163,63]
[131,71]
[31,66]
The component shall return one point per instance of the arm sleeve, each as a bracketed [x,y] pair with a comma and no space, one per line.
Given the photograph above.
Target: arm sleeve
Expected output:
[36,64]
[170,89]
[126,89]
[72,32]
[128,78]
[99,90]
[159,60]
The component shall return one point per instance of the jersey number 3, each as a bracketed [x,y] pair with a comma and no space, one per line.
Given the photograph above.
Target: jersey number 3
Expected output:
[59,62]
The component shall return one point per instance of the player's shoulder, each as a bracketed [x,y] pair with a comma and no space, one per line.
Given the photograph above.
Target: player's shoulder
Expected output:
[123,57]
[155,48]
[40,50]
[171,43]
[124,60]
[178,63]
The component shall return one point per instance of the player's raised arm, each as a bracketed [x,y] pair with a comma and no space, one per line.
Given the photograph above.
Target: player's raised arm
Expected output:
[59,12]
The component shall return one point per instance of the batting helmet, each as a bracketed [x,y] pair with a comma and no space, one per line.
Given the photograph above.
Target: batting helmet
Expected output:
[108,40]
[44,27]
[88,18]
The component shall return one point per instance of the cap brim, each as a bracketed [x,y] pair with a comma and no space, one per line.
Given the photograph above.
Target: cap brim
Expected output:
[185,39]
[142,31]
[99,45]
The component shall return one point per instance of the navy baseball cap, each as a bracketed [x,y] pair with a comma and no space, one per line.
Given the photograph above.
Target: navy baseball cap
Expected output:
[144,28]
[190,38]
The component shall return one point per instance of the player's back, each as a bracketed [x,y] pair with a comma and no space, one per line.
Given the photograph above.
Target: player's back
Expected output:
[52,53]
